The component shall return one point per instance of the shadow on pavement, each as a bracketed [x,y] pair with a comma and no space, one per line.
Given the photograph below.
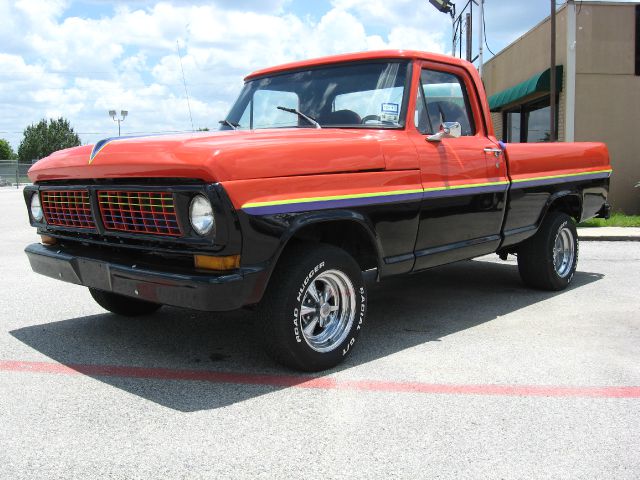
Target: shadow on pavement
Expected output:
[403,312]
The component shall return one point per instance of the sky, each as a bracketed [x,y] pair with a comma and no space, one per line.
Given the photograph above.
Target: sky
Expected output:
[79,59]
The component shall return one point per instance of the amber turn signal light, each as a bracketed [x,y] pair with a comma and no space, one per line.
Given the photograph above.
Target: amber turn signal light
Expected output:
[47,240]
[217,263]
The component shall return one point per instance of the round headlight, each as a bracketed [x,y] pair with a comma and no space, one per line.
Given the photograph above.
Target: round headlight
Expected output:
[201,215]
[36,208]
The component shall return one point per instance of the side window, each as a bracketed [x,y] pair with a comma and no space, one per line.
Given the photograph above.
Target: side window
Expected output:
[444,99]
[263,110]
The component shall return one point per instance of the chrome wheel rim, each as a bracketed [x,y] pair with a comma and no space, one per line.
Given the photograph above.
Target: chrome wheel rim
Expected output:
[564,252]
[327,310]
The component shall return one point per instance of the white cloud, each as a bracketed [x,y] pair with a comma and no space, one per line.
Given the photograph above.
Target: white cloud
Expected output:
[79,66]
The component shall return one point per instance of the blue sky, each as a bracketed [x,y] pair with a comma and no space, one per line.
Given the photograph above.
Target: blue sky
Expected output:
[79,59]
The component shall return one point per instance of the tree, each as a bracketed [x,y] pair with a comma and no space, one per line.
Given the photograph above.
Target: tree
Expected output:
[6,152]
[42,139]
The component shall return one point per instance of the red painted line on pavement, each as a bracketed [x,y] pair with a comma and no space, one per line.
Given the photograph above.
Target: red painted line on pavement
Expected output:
[323,383]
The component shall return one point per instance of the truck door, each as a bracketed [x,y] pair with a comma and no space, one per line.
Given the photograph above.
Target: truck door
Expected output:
[464,179]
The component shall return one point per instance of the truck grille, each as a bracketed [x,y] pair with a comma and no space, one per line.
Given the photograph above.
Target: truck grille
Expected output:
[139,212]
[67,208]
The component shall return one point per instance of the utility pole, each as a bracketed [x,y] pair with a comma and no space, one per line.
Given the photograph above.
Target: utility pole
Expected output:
[552,75]
[480,36]
[468,30]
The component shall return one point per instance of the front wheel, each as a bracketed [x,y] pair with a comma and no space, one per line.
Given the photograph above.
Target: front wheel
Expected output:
[548,260]
[314,307]
[122,305]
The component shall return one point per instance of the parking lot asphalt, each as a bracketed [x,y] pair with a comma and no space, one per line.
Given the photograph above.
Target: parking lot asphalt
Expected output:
[461,372]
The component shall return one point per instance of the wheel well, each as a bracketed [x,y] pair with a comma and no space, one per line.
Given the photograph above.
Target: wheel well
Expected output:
[569,204]
[347,235]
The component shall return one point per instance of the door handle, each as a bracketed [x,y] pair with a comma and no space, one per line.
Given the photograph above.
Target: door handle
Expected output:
[496,152]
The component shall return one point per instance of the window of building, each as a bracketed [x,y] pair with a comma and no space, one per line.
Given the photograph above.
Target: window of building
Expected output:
[529,122]
[512,126]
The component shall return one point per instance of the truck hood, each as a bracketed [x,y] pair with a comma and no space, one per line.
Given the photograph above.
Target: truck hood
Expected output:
[218,156]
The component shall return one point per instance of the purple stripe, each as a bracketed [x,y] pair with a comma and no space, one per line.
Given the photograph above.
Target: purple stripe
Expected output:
[326,204]
[550,181]
[454,192]
[380,199]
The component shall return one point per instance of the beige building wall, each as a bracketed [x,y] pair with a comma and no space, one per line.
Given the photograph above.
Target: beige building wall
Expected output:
[523,59]
[608,94]
[607,89]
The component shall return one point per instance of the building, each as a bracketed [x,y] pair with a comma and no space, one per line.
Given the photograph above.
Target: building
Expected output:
[598,80]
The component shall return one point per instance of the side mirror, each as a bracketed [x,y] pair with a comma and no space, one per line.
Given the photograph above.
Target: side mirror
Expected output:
[447,130]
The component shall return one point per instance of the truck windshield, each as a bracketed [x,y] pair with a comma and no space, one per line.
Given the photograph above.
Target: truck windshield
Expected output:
[360,95]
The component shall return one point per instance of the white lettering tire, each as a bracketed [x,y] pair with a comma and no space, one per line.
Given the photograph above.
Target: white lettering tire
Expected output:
[314,307]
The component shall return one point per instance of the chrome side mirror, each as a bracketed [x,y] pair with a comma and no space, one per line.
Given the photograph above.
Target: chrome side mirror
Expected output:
[447,130]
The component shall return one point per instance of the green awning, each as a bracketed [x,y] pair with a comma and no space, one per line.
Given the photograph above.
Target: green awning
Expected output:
[539,83]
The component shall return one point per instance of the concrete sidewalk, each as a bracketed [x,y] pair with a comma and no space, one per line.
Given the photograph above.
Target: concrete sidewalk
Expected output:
[609,234]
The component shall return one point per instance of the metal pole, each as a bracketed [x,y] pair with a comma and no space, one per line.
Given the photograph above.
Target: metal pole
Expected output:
[453,36]
[468,26]
[552,76]
[118,127]
[17,174]
[460,26]
[570,82]
[480,36]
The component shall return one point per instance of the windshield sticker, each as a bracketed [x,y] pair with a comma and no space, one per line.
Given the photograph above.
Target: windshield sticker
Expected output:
[389,112]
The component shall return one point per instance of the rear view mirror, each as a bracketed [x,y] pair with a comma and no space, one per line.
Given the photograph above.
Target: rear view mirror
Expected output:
[447,130]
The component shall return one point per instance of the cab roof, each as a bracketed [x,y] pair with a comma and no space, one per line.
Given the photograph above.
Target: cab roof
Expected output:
[354,57]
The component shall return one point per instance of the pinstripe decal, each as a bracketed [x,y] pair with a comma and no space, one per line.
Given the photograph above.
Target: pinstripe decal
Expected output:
[292,205]
[551,179]
[331,197]
[360,199]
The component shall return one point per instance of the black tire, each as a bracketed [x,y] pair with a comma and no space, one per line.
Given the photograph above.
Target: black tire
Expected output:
[537,260]
[122,305]
[305,270]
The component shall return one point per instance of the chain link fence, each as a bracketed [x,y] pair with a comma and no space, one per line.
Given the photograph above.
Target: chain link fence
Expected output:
[14,173]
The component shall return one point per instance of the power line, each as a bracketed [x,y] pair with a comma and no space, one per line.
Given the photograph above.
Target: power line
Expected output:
[184,81]
[484,27]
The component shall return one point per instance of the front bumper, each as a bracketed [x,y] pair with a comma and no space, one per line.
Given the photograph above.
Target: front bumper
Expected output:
[199,291]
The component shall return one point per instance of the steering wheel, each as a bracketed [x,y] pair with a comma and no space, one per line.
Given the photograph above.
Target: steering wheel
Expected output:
[370,117]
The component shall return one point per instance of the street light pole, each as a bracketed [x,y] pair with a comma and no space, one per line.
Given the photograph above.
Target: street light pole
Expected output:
[446,6]
[115,118]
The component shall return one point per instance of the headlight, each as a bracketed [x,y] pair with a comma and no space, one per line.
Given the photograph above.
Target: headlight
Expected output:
[36,208]
[201,215]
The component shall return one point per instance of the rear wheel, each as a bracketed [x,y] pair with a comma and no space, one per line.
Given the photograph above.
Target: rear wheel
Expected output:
[122,305]
[548,260]
[314,308]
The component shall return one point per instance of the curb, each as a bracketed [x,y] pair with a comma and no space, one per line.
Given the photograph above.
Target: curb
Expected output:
[609,238]
[609,234]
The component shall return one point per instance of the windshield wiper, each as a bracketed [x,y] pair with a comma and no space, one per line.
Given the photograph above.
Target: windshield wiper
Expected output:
[301,115]
[229,124]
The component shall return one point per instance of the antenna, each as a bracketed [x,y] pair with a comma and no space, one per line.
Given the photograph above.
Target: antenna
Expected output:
[184,82]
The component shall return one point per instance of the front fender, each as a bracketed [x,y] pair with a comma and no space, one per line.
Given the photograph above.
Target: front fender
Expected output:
[265,238]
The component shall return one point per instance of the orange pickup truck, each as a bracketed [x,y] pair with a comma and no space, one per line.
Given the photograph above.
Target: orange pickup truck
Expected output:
[324,170]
